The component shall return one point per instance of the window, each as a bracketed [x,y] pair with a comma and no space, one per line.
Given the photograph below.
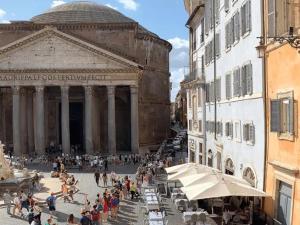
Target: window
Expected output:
[207,97]
[194,108]
[229,130]
[228,35]
[219,160]
[194,39]
[200,153]
[218,47]
[200,126]
[237,130]
[284,206]
[249,176]
[228,86]
[282,15]
[220,128]
[190,125]
[208,15]
[246,17]
[229,167]
[217,11]
[210,158]
[212,92]
[282,114]
[246,80]
[202,31]
[236,83]
[236,27]
[202,65]
[218,89]
[249,133]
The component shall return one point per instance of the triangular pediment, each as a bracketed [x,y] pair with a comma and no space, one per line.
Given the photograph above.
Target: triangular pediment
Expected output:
[53,49]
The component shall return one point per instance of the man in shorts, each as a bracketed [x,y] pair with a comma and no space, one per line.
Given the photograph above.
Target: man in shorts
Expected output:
[51,203]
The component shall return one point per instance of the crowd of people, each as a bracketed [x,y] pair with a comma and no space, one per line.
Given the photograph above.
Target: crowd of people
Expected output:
[97,209]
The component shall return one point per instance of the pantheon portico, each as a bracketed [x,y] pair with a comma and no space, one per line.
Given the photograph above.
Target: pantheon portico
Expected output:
[82,75]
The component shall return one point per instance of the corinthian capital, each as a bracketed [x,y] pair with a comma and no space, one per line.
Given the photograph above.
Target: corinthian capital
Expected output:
[39,88]
[16,90]
[110,90]
[88,90]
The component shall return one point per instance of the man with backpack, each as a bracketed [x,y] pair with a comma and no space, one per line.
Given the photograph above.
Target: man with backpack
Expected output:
[84,220]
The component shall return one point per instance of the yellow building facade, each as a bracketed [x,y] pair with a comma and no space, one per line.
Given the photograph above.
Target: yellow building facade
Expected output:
[282,78]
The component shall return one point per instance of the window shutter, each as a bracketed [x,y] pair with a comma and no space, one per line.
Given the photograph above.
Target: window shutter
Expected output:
[237,26]
[207,93]
[246,132]
[248,16]
[252,133]
[244,80]
[227,35]
[217,10]
[218,90]
[249,79]
[226,5]
[271,18]
[218,44]
[226,130]
[275,115]
[221,128]
[228,86]
[291,116]
[231,31]
[207,19]
[237,83]
[231,129]
[243,19]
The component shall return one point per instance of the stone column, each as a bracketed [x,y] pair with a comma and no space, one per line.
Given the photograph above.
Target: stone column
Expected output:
[65,120]
[16,120]
[23,120]
[30,130]
[134,102]
[40,120]
[111,119]
[88,120]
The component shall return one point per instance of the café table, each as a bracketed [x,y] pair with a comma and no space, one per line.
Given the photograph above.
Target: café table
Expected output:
[153,222]
[158,216]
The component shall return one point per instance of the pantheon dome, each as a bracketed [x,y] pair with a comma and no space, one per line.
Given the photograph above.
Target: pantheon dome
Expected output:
[84,12]
[83,78]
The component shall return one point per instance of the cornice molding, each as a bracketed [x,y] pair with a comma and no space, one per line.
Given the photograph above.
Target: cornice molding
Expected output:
[148,37]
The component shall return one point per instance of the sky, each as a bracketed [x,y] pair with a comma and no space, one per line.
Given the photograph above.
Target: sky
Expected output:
[166,18]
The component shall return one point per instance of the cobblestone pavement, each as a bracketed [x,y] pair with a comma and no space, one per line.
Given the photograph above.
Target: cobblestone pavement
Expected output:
[130,211]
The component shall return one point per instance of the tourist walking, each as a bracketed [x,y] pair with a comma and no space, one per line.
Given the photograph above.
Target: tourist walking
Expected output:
[64,190]
[24,201]
[104,177]
[17,205]
[105,165]
[51,203]
[71,220]
[84,220]
[7,201]
[97,177]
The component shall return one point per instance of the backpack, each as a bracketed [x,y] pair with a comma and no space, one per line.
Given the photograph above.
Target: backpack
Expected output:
[99,207]
[95,215]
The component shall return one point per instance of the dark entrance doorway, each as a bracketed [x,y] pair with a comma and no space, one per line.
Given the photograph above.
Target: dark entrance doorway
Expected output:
[76,126]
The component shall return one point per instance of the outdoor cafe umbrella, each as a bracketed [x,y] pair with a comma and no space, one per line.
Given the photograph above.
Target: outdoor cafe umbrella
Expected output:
[208,177]
[177,168]
[221,185]
[197,169]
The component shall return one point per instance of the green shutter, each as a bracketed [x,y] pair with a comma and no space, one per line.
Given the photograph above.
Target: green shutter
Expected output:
[275,115]
[291,116]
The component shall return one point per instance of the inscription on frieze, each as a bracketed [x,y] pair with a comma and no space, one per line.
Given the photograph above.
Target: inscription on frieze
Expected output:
[53,77]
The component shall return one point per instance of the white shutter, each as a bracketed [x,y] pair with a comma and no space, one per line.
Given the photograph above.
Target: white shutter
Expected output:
[237,83]
[237,26]
[246,132]
[231,129]
[249,79]
[217,10]
[207,19]
[207,90]
[231,31]
[227,36]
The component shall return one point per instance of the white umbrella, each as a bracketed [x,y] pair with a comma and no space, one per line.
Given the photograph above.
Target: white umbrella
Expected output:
[221,186]
[211,176]
[177,168]
[197,169]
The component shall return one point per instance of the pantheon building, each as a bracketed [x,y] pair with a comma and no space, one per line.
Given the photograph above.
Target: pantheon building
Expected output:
[84,75]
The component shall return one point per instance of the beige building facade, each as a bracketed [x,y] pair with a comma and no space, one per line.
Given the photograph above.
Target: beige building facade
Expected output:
[82,75]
